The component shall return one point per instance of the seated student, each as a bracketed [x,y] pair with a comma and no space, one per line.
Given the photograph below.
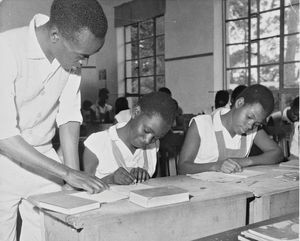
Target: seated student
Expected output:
[221,142]
[102,110]
[279,121]
[122,111]
[221,99]
[126,152]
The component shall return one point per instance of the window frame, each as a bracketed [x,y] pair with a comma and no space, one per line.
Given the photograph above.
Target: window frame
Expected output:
[282,90]
[139,59]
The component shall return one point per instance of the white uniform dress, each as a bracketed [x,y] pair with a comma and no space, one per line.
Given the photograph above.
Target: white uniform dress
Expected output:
[34,94]
[112,153]
[216,141]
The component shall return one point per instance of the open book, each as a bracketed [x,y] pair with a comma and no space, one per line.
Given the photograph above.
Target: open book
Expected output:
[287,230]
[157,196]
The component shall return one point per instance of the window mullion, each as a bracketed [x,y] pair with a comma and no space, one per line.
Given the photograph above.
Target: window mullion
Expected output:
[258,43]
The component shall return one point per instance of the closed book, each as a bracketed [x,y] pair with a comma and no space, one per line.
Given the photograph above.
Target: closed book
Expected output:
[287,230]
[63,203]
[158,196]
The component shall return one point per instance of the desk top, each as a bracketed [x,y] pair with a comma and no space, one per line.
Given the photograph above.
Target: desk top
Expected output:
[270,182]
[206,193]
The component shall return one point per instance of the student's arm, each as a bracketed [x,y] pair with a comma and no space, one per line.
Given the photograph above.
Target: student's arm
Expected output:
[272,153]
[189,152]
[120,176]
[90,161]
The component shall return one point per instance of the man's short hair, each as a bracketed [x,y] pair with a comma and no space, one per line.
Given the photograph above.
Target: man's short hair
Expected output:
[72,16]
[159,103]
[259,94]
[221,99]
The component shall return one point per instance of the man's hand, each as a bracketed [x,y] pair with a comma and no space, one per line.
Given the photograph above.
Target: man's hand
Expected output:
[84,181]
[228,166]
[123,177]
[140,174]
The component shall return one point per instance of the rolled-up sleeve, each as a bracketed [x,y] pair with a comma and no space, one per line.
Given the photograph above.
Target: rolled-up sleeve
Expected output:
[8,75]
[70,102]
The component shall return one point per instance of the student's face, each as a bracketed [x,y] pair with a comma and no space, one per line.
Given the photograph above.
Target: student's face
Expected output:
[71,54]
[247,118]
[147,129]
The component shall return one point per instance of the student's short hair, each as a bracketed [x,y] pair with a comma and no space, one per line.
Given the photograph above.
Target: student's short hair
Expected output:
[103,92]
[71,16]
[165,90]
[221,99]
[121,104]
[235,93]
[159,103]
[259,94]
[295,103]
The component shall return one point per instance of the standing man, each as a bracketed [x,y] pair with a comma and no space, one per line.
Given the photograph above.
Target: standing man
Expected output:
[40,78]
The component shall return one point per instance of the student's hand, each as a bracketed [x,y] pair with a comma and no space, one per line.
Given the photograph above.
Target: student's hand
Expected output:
[228,166]
[140,174]
[82,180]
[123,177]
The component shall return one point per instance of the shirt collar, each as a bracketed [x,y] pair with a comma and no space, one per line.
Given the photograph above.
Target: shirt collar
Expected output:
[112,131]
[34,49]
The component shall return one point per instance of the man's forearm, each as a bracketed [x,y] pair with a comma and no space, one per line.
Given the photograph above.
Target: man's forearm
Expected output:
[69,137]
[17,149]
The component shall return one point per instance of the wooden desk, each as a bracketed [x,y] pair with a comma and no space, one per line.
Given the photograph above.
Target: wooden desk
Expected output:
[214,208]
[232,235]
[274,197]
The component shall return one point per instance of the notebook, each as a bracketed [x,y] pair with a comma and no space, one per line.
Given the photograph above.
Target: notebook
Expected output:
[293,163]
[158,196]
[63,203]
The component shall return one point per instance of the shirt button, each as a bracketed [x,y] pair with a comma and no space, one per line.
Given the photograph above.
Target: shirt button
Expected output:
[42,92]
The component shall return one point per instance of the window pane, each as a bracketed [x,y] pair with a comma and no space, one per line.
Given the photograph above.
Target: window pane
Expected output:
[236,9]
[132,85]
[132,68]
[269,24]
[237,31]
[131,51]
[291,19]
[253,6]
[289,2]
[160,25]
[147,66]
[292,75]
[253,28]
[131,33]
[267,4]
[237,76]
[147,85]
[291,47]
[160,45]
[238,56]
[269,51]
[254,54]
[254,76]
[146,47]
[160,65]
[269,76]
[146,29]
[160,82]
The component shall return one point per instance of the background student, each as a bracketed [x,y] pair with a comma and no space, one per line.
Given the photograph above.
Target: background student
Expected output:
[127,152]
[39,68]
[222,142]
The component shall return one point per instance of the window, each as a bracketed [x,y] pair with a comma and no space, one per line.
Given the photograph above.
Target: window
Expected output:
[144,57]
[262,46]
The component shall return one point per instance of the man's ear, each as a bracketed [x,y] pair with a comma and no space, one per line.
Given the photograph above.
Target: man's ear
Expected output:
[54,34]
[239,102]
[136,111]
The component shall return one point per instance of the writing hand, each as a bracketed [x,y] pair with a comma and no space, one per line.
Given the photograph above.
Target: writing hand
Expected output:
[123,177]
[140,174]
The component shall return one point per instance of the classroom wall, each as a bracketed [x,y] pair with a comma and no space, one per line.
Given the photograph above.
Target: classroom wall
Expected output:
[188,53]
[189,46]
